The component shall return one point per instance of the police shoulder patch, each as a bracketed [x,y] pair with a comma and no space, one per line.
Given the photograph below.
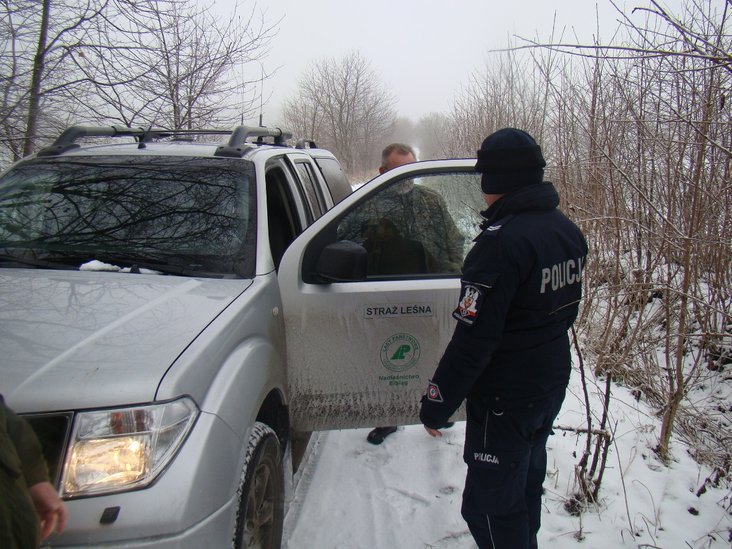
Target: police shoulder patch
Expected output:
[433,393]
[471,299]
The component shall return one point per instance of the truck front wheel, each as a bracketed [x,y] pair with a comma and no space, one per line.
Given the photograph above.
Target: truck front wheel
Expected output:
[261,493]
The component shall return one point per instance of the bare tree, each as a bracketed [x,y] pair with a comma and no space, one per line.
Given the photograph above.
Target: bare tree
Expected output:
[135,62]
[505,93]
[37,44]
[174,64]
[342,104]
[14,68]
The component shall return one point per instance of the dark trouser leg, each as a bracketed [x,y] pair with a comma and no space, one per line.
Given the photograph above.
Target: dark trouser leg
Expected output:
[494,509]
[537,467]
[506,456]
[534,483]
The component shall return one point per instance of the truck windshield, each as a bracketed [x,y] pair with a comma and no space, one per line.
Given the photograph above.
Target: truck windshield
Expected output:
[174,215]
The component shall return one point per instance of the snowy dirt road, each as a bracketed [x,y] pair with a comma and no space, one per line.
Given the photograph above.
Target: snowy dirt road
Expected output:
[406,493]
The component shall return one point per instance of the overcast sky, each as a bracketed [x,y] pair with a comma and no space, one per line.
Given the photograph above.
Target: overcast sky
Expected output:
[422,49]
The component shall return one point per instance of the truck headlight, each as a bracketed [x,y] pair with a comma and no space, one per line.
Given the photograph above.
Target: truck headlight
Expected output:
[124,448]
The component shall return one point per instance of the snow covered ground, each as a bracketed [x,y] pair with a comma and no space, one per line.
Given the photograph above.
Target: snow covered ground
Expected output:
[406,493]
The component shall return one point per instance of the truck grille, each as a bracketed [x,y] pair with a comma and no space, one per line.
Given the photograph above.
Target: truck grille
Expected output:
[53,431]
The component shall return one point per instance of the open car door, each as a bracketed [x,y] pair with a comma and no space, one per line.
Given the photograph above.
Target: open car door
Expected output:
[368,293]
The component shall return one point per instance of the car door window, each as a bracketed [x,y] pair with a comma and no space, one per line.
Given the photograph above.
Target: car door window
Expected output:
[283,220]
[417,226]
[335,178]
[312,192]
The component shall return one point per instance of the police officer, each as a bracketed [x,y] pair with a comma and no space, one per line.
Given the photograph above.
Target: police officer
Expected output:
[510,354]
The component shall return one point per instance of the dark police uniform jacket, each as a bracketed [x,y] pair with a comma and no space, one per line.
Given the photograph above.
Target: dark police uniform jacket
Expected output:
[521,286]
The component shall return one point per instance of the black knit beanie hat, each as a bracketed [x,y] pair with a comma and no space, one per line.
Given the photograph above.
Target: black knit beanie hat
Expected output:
[509,159]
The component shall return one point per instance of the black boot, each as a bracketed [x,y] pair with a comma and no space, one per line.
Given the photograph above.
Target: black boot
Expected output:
[378,434]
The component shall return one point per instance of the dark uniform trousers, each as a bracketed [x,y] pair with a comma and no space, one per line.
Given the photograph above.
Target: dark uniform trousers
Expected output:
[506,455]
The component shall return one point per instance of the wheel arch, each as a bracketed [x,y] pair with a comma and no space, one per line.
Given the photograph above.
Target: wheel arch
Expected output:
[249,387]
[275,413]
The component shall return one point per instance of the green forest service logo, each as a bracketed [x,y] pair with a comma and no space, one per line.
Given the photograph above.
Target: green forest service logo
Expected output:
[400,352]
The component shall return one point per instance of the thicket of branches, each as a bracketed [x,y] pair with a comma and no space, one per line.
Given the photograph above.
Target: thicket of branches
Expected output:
[169,63]
[638,136]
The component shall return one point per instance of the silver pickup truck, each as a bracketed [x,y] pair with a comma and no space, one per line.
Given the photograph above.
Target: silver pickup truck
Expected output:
[172,311]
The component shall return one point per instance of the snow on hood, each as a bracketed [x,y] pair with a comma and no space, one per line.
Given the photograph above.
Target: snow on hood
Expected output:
[96,265]
[104,338]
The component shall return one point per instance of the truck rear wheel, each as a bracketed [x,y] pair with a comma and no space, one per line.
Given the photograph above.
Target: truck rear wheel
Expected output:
[261,493]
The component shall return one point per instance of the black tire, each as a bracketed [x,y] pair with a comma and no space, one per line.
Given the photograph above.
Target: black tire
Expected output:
[261,493]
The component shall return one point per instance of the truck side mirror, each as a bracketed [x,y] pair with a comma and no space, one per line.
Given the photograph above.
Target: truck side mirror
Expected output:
[343,261]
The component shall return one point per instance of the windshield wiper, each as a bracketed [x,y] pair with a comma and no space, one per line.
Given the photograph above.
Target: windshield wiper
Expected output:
[133,264]
[8,260]
[72,259]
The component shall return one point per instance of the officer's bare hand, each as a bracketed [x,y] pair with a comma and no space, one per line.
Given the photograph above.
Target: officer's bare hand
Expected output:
[50,508]
[433,432]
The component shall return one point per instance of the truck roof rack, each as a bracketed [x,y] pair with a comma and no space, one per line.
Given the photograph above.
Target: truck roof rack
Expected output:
[305,144]
[234,148]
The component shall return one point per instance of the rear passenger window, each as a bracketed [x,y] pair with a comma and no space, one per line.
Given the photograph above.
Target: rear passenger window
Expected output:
[283,221]
[312,191]
[337,181]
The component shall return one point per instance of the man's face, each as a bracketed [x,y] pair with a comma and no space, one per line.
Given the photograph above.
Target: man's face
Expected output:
[396,159]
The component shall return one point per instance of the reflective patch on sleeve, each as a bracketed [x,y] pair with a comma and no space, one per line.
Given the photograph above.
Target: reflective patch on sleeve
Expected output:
[433,393]
[471,298]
